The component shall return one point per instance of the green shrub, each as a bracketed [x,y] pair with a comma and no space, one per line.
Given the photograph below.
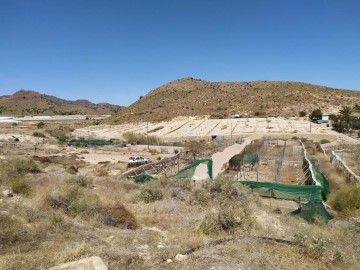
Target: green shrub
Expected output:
[311,246]
[87,204]
[12,169]
[72,170]
[73,200]
[302,113]
[347,199]
[227,217]
[324,141]
[40,125]
[62,138]
[21,185]
[199,196]
[38,134]
[151,194]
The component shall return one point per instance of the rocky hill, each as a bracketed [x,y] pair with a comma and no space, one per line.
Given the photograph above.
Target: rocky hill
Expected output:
[198,98]
[26,102]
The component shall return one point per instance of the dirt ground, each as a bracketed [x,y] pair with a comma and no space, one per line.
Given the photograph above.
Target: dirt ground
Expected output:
[208,127]
[17,141]
[172,216]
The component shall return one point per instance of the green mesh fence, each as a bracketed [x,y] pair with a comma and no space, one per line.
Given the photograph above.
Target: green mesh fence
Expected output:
[239,159]
[142,178]
[321,179]
[287,192]
[188,172]
[312,211]
[83,142]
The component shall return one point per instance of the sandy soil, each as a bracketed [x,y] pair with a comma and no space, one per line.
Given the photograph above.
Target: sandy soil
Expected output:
[176,129]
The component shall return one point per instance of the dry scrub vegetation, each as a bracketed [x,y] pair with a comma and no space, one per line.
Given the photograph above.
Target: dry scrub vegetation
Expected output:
[139,226]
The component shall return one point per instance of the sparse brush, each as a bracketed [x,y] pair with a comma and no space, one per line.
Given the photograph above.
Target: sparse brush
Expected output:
[310,245]
[140,138]
[38,134]
[73,200]
[199,196]
[100,171]
[15,168]
[10,230]
[21,185]
[151,194]
[81,181]
[119,216]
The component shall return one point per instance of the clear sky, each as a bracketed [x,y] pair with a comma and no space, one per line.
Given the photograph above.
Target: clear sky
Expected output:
[118,50]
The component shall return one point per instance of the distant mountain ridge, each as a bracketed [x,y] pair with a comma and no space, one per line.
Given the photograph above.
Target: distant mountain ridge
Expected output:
[28,102]
[189,97]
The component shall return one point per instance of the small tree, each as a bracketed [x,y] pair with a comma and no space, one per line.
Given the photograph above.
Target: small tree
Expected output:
[345,115]
[316,114]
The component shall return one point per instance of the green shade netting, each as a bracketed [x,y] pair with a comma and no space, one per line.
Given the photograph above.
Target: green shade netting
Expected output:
[321,179]
[287,192]
[188,172]
[142,178]
[312,211]
[89,142]
[239,159]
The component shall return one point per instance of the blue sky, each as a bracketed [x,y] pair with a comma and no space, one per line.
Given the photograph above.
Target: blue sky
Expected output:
[118,50]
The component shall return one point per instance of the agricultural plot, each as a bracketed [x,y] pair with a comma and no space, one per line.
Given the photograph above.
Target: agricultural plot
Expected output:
[205,128]
[280,161]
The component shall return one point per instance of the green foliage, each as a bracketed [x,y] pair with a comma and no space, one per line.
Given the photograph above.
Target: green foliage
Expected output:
[21,185]
[15,168]
[38,134]
[40,125]
[324,141]
[74,200]
[151,194]
[357,108]
[347,199]
[62,138]
[316,114]
[302,113]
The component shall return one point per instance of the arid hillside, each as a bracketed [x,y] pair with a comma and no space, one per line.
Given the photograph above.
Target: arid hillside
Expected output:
[25,102]
[193,97]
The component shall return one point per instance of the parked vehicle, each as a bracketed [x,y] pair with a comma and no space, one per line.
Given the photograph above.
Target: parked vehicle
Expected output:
[136,161]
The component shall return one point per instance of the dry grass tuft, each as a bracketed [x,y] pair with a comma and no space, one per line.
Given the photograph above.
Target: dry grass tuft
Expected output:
[119,216]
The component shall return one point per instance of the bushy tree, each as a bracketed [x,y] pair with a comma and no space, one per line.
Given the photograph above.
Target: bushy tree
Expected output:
[316,114]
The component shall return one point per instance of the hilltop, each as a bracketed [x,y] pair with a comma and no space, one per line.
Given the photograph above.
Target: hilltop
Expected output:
[190,97]
[25,102]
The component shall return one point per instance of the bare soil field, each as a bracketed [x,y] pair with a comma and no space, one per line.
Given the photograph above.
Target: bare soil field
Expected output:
[192,129]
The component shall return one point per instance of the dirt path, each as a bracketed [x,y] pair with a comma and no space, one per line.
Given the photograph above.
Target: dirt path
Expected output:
[220,158]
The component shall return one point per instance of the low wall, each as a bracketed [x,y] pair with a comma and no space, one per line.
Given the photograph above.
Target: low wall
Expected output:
[337,161]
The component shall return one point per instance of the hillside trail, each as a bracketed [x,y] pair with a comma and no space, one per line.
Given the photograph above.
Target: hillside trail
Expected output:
[221,158]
